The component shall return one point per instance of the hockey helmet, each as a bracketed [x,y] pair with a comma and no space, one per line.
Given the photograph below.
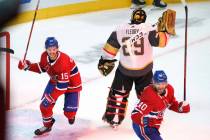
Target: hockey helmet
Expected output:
[51,42]
[138,16]
[159,77]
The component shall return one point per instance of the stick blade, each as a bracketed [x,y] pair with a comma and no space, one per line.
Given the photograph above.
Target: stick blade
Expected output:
[7,50]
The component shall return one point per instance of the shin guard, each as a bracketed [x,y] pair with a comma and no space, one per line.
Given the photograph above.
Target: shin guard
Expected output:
[116,107]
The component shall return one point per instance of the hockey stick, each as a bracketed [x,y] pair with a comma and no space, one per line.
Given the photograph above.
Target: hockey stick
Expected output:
[32,26]
[185,48]
[7,50]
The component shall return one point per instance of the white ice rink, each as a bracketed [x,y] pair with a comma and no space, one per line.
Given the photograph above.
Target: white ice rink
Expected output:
[82,37]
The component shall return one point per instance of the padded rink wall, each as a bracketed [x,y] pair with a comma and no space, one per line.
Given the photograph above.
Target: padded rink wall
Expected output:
[70,7]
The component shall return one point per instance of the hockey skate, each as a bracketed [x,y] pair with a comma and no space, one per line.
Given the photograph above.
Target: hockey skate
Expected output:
[159,4]
[112,124]
[71,121]
[44,129]
[138,4]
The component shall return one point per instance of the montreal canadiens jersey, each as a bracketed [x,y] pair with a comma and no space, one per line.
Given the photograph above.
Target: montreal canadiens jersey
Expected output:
[150,109]
[136,59]
[63,72]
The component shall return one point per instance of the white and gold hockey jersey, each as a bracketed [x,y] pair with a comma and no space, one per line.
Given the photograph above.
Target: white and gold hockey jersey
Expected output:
[135,42]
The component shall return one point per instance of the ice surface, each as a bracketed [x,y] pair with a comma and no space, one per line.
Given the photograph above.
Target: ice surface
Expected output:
[82,37]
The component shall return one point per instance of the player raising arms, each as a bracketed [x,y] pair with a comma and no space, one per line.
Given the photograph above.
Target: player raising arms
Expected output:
[64,79]
[148,114]
[134,41]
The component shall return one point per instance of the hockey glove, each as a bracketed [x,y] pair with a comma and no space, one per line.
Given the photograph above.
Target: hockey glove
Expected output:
[166,23]
[184,107]
[24,65]
[106,66]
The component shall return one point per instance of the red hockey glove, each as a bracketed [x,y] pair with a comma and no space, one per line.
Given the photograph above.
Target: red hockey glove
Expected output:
[24,64]
[184,107]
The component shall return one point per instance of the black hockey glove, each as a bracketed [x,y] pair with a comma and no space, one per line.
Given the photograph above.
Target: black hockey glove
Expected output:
[106,66]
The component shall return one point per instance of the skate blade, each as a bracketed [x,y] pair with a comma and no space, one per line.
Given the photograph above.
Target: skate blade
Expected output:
[156,8]
[114,127]
[134,6]
[43,135]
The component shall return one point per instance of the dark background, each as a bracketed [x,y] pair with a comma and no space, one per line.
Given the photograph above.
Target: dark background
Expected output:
[8,10]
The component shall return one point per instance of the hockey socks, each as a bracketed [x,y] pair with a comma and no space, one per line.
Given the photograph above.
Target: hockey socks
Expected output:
[44,129]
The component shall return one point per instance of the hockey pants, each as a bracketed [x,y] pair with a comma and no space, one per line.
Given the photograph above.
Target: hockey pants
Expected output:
[71,103]
[146,133]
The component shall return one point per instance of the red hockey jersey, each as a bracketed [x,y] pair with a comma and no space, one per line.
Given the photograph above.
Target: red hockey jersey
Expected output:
[63,72]
[150,110]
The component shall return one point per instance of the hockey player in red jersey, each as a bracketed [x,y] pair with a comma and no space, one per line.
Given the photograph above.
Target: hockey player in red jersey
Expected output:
[64,79]
[148,114]
[136,62]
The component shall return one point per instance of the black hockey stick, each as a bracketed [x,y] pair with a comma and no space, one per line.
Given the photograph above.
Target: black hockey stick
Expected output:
[32,26]
[7,50]
[185,47]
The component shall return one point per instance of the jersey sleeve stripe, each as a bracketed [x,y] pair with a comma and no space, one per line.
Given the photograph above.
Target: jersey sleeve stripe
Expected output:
[109,54]
[72,75]
[110,49]
[39,67]
[138,110]
[74,70]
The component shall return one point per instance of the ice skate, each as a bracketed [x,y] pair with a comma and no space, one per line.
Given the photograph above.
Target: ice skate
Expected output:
[138,4]
[71,121]
[44,129]
[112,124]
[159,4]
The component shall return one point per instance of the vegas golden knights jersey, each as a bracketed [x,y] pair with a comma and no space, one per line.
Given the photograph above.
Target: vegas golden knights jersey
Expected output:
[136,58]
